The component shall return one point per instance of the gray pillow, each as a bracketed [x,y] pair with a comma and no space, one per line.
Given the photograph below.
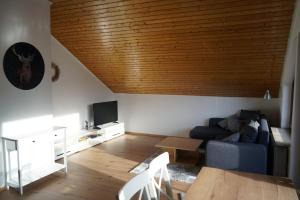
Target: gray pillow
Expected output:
[232,138]
[223,124]
[233,125]
[230,124]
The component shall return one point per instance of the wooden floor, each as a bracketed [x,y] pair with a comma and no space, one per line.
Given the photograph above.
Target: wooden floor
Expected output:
[96,173]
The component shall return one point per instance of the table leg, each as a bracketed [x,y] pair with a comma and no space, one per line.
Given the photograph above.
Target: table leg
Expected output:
[19,170]
[65,151]
[174,155]
[4,159]
[9,165]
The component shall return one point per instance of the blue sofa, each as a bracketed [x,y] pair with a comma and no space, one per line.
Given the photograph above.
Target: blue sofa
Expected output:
[247,157]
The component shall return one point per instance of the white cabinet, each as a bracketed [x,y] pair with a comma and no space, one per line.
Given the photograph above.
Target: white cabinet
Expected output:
[111,131]
[30,157]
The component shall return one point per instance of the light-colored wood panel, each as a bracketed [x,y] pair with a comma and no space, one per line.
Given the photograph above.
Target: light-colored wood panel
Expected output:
[223,47]
[110,39]
[183,8]
[181,143]
[217,184]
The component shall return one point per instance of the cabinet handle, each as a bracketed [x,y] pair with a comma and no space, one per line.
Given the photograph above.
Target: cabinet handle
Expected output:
[55,135]
[33,141]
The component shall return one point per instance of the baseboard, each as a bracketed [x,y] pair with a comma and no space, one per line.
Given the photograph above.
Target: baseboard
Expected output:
[146,134]
[2,189]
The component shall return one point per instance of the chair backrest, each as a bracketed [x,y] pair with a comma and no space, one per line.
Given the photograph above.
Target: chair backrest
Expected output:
[159,164]
[139,183]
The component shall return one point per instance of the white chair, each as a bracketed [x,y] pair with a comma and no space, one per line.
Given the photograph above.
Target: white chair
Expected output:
[159,164]
[139,183]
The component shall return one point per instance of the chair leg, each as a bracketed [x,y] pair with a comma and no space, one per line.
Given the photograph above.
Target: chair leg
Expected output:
[180,196]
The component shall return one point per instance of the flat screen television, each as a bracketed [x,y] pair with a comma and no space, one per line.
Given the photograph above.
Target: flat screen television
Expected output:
[105,112]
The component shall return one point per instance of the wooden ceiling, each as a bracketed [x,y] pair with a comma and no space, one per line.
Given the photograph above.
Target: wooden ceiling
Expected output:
[184,47]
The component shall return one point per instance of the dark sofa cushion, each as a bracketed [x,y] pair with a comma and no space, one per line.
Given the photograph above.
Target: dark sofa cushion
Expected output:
[213,122]
[250,115]
[263,132]
[208,133]
[230,124]
[249,132]
[235,137]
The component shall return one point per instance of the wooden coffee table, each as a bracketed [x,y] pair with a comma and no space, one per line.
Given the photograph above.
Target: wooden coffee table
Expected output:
[175,144]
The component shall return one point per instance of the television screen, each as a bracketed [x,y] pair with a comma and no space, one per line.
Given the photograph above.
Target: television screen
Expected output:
[105,112]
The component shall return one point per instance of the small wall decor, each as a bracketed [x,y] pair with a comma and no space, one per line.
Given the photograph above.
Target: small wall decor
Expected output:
[24,66]
[56,72]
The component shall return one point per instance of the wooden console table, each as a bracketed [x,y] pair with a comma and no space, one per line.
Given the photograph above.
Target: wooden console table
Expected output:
[175,144]
[218,184]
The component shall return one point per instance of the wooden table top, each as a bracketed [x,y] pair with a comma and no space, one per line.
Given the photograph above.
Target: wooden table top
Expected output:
[220,184]
[181,143]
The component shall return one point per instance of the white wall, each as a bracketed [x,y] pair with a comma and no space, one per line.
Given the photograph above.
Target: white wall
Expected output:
[289,75]
[24,21]
[288,72]
[176,115]
[75,89]
[294,165]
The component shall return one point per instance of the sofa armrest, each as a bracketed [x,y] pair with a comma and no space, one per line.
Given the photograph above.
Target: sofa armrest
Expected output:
[237,156]
[213,122]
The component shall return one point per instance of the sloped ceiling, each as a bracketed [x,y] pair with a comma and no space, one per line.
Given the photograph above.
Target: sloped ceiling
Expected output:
[185,47]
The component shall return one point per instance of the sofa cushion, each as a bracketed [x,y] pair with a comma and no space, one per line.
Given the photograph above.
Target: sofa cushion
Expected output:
[263,132]
[208,133]
[235,137]
[250,115]
[213,122]
[223,124]
[231,124]
[249,132]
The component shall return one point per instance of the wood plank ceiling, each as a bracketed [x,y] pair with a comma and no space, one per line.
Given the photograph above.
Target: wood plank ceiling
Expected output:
[184,47]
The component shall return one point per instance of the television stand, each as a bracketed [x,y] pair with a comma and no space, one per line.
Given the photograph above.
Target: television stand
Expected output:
[89,138]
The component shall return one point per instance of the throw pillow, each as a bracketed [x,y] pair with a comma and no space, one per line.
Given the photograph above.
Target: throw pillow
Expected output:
[223,124]
[249,132]
[254,124]
[232,138]
[249,115]
[233,125]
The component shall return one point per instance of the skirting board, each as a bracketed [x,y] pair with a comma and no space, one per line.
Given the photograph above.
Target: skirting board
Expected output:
[2,189]
[146,134]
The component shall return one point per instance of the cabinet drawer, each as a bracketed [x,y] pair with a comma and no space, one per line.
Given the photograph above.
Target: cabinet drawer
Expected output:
[11,145]
[58,135]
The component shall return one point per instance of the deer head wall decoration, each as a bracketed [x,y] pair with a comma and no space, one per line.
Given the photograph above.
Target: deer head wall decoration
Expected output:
[25,72]
[24,66]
